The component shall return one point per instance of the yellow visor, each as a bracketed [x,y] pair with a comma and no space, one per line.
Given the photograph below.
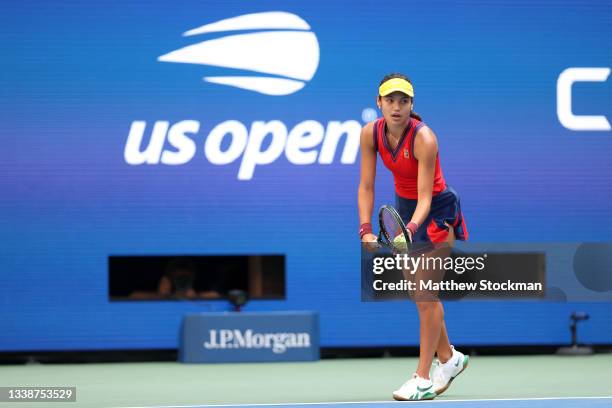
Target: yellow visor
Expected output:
[396,85]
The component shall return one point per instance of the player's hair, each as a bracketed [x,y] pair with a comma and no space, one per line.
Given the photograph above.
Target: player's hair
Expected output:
[392,75]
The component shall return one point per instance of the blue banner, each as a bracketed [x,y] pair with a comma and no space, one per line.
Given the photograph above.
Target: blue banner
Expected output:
[139,128]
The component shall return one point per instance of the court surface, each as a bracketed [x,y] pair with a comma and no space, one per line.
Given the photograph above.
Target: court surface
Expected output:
[498,382]
[496,403]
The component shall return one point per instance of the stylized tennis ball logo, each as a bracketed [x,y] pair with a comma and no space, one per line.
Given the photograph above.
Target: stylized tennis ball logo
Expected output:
[287,52]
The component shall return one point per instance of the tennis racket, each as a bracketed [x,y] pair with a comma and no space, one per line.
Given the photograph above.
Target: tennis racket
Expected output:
[393,233]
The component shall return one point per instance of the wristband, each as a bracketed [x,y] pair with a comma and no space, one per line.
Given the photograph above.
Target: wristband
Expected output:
[412,227]
[365,228]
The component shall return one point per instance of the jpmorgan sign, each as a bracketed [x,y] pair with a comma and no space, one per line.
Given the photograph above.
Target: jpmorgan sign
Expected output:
[245,337]
[277,342]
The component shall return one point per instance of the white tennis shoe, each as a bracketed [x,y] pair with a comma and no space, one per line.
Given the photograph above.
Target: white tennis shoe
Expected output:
[415,389]
[445,373]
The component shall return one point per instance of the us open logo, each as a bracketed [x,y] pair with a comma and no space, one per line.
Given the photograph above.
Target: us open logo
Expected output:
[286,52]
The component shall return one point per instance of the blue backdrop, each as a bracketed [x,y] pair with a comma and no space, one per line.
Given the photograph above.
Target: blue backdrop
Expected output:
[77,75]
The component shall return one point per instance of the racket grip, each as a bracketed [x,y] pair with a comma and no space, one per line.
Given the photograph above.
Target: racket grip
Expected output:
[365,228]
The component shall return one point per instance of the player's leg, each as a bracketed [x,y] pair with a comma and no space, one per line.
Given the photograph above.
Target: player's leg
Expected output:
[451,362]
[433,335]
[431,318]
[444,350]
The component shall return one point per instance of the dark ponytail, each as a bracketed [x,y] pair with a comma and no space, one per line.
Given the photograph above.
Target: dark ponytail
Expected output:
[415,115]
[392,75]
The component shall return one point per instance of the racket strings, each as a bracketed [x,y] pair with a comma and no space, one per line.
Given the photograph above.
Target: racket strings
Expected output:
[393,230]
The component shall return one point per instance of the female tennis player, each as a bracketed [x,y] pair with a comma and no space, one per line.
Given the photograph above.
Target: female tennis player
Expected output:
[429,208]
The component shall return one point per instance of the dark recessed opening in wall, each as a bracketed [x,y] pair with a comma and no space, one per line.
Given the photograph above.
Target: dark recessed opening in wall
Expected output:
[195,277]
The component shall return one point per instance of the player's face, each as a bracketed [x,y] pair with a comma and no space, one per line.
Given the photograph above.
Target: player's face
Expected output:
[396,107]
